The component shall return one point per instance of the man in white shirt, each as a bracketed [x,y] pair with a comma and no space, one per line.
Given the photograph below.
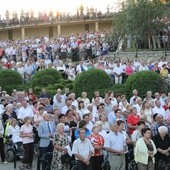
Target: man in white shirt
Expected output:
[82,150]
[67,106]
[115,145]
[159,109]
[24,111]
[118,71]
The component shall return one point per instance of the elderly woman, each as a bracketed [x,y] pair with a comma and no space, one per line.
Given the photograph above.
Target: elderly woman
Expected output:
[9,113]
[14,131]
[26,133]
[85,99]
[61,143]
[144,151]
[97,141]
[162,142]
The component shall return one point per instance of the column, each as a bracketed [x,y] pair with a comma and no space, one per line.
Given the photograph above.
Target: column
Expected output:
[10,35]
[51,32]
[96,26]
[23,33]
[59,30]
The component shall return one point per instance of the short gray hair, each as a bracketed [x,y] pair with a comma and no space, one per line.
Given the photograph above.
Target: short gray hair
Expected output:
[163,129]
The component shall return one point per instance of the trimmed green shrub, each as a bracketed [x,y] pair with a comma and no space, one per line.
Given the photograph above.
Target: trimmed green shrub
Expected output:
[118,89]
[144,81]
[90,81]
[45,77]
[9,80]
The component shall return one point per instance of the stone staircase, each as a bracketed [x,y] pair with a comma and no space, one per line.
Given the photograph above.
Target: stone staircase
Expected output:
[144,55]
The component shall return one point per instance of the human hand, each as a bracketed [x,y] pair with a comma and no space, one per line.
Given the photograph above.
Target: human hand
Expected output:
[86,162]
[121,152]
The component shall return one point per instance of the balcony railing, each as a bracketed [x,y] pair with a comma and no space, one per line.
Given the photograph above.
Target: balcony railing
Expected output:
[26,21]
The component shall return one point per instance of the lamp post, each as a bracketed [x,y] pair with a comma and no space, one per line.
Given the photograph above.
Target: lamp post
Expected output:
[165,40]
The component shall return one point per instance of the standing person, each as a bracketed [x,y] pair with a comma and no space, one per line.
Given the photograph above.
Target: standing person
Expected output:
[2,142]
[45,132]
[115,145]
[145,150]
[97,141]
[162,142]
[26,133]
[82,150]
[132,120]
[60,143]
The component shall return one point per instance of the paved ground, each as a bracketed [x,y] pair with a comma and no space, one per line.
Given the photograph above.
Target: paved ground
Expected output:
[10,166]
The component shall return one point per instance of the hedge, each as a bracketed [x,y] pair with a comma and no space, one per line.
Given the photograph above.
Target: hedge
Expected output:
[90,81]
[9,80]
[144,81]
[45,78]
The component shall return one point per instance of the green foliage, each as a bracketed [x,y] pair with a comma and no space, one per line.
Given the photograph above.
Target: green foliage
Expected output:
[9,80]
[141,20]
[46,77]
[90,81]
[118,89]
[144,81]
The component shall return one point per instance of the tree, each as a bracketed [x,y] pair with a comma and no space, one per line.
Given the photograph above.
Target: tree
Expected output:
[141,20]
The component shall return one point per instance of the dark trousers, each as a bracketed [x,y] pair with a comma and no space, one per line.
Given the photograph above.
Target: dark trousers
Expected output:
[28,153]
[82,166]
[96,162]
[44,150]
[2,149]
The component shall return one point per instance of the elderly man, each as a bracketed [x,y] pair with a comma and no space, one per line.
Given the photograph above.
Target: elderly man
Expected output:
[45,132]
[82,150]
[115,145]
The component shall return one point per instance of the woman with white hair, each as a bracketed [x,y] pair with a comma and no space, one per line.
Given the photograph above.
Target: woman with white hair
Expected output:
[162,142]
[8,114]
[61,143]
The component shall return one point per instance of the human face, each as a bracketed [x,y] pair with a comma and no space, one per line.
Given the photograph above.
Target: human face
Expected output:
[82,135]
[163,134]
[60,129]
[147,134]
[114,127]
[121,126]
[86,118]
[24,104]
[96,130]
[134,111]
[159,119]
[62,120]
[141,126]
[103,118]
[118,113]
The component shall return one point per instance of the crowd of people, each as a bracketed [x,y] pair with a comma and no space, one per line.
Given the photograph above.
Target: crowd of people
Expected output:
[72,55]
[87,130]
[30,17]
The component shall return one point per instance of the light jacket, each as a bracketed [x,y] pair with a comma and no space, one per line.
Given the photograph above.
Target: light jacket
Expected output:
[141,151]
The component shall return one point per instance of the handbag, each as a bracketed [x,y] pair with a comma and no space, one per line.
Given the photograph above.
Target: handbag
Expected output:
[66,159]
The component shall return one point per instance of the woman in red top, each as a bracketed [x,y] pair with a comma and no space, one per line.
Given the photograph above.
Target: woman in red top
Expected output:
[97,142]
[128,70]
[132,120]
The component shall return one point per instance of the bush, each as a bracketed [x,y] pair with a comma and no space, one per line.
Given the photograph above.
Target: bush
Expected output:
[45,77]
[144,81]
[90,81]
[118,89]
[9,80]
